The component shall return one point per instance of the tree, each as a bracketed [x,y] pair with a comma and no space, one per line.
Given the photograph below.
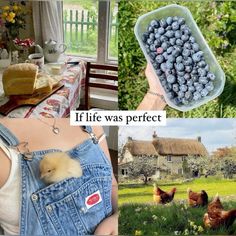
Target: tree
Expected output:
[228,168]
[143,165]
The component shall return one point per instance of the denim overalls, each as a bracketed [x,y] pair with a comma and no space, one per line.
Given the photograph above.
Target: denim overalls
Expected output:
[74,206]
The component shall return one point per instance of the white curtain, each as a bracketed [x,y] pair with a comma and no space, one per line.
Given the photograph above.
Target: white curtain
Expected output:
[48,21]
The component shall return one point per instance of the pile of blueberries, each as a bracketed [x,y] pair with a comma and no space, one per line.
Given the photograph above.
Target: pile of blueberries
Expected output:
[178,60]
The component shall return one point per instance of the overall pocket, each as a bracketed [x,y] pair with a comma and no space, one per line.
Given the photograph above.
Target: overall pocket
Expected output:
[80,212]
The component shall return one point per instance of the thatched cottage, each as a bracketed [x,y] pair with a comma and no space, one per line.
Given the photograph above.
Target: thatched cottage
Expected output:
[168,154]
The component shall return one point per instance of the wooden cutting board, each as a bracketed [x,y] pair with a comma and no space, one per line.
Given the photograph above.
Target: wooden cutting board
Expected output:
[16,101]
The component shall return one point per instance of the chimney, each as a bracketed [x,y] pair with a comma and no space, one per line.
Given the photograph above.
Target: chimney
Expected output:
[154,136]
[199,139]
[129,139]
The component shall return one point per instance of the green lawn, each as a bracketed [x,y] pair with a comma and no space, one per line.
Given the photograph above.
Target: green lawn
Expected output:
[143,194]
[140,216]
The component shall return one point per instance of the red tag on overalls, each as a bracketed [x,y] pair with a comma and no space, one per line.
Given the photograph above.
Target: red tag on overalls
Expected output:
[93,199]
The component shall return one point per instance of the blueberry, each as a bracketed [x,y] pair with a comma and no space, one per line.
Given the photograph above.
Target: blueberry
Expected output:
[195,47]
[199,87]
[157,36]
[163,23]
[168,28]
[188,95]
[179,59]
[157,43]
[196,96]
[150,29]
[203,80]
[175,18]
[190,82]
[179,67]
[154,23]
[185,37]
[165,55]
[168,71]
[175,25]
[159,72]
[191,39]
[187,32]
[191,89]
[163,67]
[202,72]
[145,37]
[165,45]
[170,58]
[177,101]
[211,76]
[188,61]
[161,31]
[163,82]
[186,52]
[179,42]
[201,63]
[171,79]
[150,41]
[204,92]
[181,94]
[169,33]
[152,36]
[181,21]
[155,65]
[209,86]
[169,20]
[176,52]
[187,76]
[185,101]
[196,57]
[181,73]
[194,71]
[178,34]
[160,50]
[170,95]
[187,45]
[152,48]
[172,41]
[183,88]
[163,38]
[175,88]
[181,80]
[169,65]
[188,69]
[152,55]
[159,59]
[169,50]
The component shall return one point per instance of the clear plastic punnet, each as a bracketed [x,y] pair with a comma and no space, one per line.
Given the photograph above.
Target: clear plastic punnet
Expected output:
[177,10]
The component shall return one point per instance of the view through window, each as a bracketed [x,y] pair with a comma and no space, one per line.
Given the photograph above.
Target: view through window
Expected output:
[81,28]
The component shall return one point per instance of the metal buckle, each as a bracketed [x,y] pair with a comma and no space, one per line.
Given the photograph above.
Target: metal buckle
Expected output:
[27,155]
[94,138]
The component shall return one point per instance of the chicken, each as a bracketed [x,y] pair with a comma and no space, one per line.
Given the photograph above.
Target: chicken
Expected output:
[197,199]
[216,216]
[162,197]
[57,166]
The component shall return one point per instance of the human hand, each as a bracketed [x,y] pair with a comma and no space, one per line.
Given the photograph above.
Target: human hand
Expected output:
[109,226]
[152,81]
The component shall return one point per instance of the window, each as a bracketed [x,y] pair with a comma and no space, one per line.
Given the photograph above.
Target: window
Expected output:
[91,29]
[180,171]
[183,158]
[169,158]
[124,172]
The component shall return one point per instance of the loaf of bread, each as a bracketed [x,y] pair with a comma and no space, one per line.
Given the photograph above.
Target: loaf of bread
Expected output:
[43,84]
[19,79]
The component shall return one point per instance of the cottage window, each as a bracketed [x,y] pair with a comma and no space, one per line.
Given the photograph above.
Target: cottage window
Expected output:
[91,29]
[183,158]
[124,172]
[169,158]
[180,171]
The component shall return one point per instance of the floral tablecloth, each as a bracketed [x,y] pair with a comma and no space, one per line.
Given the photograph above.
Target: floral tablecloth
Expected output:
[60,103]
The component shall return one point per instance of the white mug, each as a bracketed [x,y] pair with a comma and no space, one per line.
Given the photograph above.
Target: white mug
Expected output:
[37,59]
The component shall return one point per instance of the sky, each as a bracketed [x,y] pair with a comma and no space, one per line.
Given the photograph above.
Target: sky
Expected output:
[215,133]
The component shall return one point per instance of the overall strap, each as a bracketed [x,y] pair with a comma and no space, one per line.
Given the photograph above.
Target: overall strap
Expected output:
[7,136]
[88,129]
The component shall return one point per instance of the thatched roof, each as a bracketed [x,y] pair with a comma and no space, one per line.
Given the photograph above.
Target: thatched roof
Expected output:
[179,147]
[167,146]
[137,147]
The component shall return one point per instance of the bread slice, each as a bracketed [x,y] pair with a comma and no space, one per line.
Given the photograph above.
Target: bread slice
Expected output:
[19,79]
[43,84]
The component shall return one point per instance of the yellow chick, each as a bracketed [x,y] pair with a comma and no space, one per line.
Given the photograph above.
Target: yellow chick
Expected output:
[57,166]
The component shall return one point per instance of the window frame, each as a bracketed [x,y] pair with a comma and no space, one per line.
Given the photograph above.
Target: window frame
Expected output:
[169,157]
[102,57]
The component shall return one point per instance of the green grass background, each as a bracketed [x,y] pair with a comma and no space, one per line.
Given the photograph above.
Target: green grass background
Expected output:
[140,216]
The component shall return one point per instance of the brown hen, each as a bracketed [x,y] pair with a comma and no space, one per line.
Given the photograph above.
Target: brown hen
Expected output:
[162,197]
[197,199]
[216,216]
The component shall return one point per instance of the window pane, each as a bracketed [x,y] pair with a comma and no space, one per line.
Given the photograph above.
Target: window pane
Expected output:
[80,27]
[113,40]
